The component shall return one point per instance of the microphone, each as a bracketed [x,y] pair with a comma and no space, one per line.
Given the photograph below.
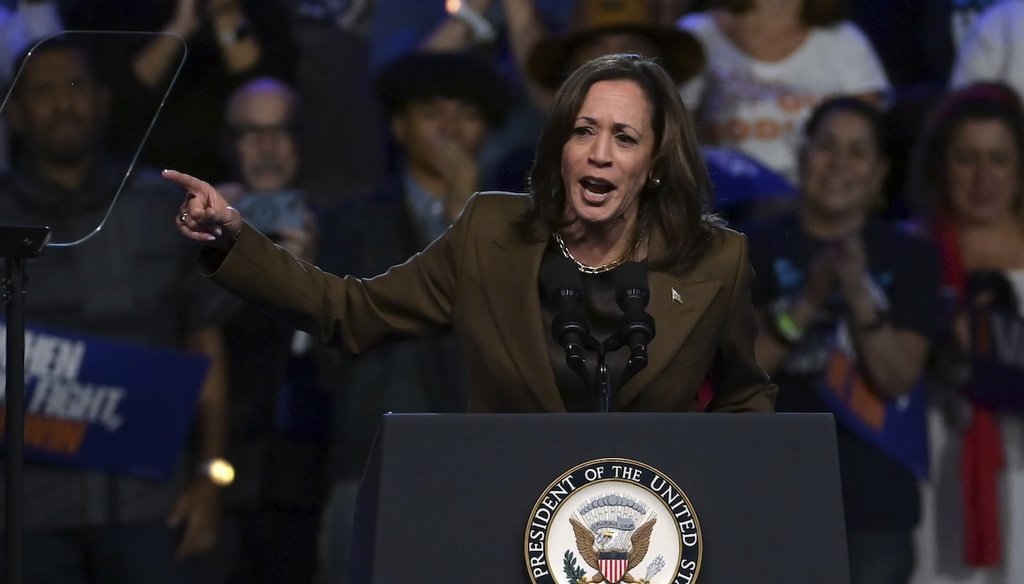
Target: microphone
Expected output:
[636,329]
[563,288]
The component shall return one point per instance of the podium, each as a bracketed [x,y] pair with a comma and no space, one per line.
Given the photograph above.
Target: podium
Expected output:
[448,497]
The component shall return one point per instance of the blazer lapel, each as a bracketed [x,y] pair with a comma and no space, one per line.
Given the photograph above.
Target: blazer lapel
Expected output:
[676,303]
[676,308]
[514,302]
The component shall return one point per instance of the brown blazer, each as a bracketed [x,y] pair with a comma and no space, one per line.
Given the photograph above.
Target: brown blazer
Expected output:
[480,279]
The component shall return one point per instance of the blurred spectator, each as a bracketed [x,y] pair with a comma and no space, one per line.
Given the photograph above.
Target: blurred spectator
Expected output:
[273,385]
[499,31]
[993,49]
[29,19]
[847,305]
[229,42]
[442,105]
[404,26]
[600,27]
[768,64]
[133,283]
[969,180]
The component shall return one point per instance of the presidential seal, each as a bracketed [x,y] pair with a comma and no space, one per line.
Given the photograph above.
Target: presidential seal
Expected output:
[613,520]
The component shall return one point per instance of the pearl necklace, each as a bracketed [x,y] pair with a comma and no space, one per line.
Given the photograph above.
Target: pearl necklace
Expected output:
[584,268]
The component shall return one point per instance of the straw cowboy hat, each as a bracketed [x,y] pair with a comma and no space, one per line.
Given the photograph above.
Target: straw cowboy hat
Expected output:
[681,53]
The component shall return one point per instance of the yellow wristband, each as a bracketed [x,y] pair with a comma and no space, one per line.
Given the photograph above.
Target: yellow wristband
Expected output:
[785,326]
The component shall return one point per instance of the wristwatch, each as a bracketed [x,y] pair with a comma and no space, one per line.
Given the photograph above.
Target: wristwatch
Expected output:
[217,470]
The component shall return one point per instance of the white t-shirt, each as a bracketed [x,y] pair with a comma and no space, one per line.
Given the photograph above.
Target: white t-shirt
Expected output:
[759,107]
[994,48]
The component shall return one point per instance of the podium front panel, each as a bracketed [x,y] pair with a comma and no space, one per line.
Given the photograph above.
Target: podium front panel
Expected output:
[447,498]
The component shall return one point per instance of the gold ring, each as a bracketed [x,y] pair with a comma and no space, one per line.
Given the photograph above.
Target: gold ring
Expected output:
[183,217]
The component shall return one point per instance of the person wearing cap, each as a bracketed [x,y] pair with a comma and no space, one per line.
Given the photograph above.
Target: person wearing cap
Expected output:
[441,107]
[618,187]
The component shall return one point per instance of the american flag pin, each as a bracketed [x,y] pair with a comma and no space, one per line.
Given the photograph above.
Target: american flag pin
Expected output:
[676,297]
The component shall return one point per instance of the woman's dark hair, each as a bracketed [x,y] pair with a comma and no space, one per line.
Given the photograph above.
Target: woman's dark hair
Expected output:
[847,104]
[986,101]
[679,208]
[814,12]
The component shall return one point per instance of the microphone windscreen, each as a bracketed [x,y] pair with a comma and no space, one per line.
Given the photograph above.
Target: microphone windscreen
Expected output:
[559,274]
[630,280]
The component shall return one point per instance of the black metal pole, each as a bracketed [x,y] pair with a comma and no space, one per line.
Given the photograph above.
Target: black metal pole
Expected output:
[14,423]
[17,244]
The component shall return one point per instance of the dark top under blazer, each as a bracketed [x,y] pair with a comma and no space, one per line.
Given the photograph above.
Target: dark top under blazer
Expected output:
[480,280]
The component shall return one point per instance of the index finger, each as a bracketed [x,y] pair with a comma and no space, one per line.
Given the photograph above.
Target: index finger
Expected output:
[186,181]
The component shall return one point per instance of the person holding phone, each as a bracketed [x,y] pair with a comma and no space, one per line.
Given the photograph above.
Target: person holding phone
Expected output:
[271,362]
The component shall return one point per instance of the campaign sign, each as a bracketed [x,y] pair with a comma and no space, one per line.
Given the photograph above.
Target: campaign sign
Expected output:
[896,427]
[105,405]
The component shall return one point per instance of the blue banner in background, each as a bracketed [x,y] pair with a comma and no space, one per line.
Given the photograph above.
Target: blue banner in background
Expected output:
[898,427]
[105,405]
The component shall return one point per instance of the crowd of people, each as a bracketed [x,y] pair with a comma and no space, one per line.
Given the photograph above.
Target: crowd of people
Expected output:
[856,192]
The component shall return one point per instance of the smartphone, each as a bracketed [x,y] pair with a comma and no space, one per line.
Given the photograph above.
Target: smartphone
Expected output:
[271,211]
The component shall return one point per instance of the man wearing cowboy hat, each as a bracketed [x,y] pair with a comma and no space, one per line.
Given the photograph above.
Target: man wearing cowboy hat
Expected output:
[603,27]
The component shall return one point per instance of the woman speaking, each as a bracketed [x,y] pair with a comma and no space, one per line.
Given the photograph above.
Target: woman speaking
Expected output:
[541,289]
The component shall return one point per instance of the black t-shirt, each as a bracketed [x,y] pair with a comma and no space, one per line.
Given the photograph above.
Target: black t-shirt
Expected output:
[878,491]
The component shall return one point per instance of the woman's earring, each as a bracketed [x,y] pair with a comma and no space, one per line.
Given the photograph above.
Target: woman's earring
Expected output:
[655,182]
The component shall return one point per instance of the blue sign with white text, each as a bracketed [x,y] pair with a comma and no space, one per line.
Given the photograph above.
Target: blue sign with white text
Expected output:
[103,404]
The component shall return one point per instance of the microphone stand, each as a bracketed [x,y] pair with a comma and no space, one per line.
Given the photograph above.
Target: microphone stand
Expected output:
[17,243]
[604,382]
[636,328]
[637,361]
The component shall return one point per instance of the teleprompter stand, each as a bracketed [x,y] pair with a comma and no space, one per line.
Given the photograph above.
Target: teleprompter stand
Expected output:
[17,244]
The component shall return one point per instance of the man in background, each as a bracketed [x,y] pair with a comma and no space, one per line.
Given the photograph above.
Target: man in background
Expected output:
[277,410]
[133,283]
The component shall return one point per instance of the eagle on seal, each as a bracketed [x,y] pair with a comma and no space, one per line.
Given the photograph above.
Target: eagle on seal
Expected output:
[592,545]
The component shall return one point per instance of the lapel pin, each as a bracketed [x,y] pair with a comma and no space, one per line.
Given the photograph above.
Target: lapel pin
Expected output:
[676,297]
